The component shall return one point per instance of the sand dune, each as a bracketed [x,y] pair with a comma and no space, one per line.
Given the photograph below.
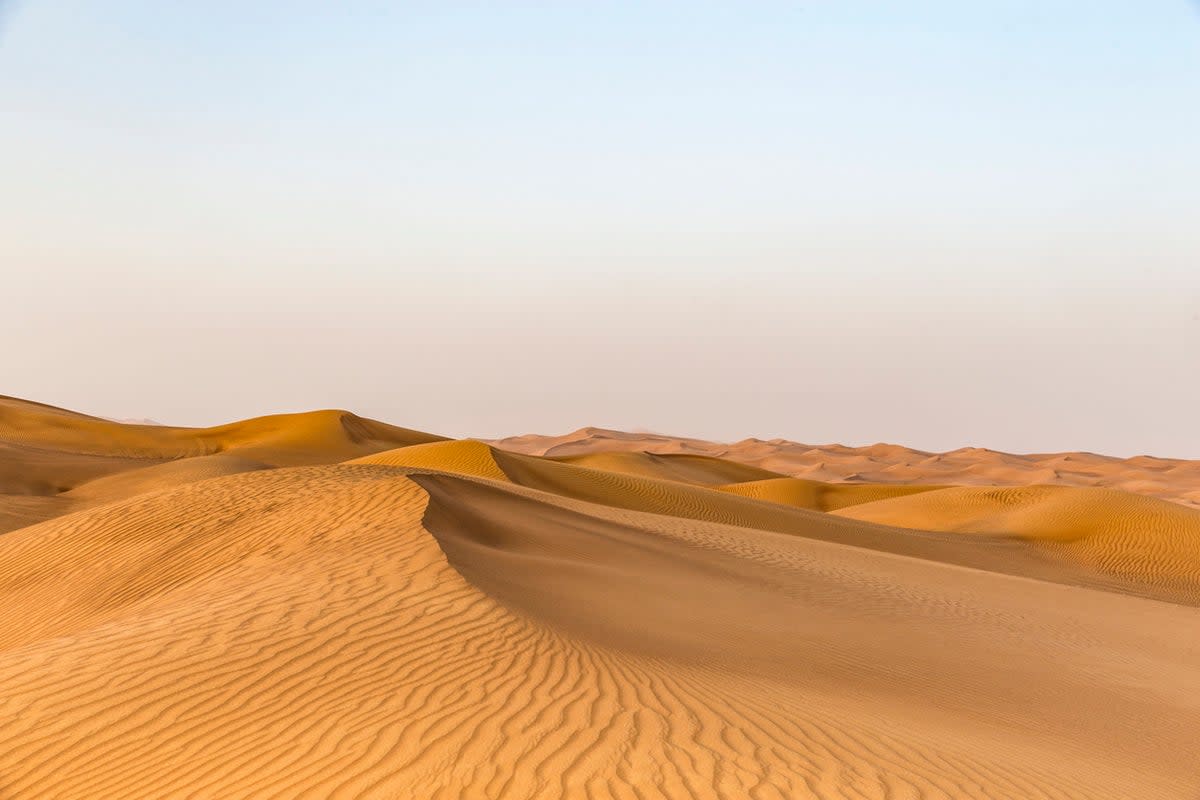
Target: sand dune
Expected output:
[49,452]
[1136,539]
[685,467]
[280,439]
[320,605]
[1176,480]
[819,495]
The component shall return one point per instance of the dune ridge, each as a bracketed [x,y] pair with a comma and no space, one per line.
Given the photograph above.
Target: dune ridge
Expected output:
[51,452]
[320,605]
[1176,480]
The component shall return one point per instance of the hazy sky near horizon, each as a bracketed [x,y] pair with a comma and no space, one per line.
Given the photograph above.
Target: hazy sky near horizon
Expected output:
[934,223]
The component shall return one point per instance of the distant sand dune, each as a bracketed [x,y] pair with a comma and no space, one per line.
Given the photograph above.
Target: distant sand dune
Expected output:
[1168,479]
[1137,539]
[685,467]
[320,605]
[818,495]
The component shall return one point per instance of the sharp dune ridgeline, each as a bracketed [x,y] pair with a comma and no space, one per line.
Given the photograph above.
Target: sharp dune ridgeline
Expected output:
[320,605]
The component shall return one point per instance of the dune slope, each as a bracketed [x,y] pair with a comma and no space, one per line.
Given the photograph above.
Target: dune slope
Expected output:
[632,492]
[684,467]
[1133,539]
[819,495]
[326,642]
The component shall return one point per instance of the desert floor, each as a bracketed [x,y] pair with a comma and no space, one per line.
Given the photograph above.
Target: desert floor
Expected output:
[322,605]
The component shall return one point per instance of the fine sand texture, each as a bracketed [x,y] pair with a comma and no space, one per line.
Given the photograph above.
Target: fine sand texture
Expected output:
[319,605]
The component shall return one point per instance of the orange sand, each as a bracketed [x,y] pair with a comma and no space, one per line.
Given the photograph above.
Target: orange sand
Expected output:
[320,605]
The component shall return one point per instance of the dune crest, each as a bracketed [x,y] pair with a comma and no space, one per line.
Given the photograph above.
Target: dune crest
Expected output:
[50,452]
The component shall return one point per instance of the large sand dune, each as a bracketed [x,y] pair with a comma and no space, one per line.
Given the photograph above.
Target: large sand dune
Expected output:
[320,605]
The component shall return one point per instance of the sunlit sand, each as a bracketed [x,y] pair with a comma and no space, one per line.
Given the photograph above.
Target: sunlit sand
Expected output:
[322,605]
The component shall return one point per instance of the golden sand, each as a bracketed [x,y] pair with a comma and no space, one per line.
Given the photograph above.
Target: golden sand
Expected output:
[320,605]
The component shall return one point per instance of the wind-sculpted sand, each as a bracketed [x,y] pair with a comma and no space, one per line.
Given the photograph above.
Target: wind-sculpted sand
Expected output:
[320,605]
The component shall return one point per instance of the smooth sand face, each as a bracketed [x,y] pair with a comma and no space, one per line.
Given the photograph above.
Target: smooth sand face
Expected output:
[320,605]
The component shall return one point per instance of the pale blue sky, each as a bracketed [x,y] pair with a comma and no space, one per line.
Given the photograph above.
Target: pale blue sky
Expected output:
[935,223]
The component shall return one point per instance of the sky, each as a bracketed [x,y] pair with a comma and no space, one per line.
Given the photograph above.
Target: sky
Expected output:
[934,223]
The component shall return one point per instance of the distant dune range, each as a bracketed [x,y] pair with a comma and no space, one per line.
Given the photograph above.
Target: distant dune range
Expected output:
[321,605]
[1176,480]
